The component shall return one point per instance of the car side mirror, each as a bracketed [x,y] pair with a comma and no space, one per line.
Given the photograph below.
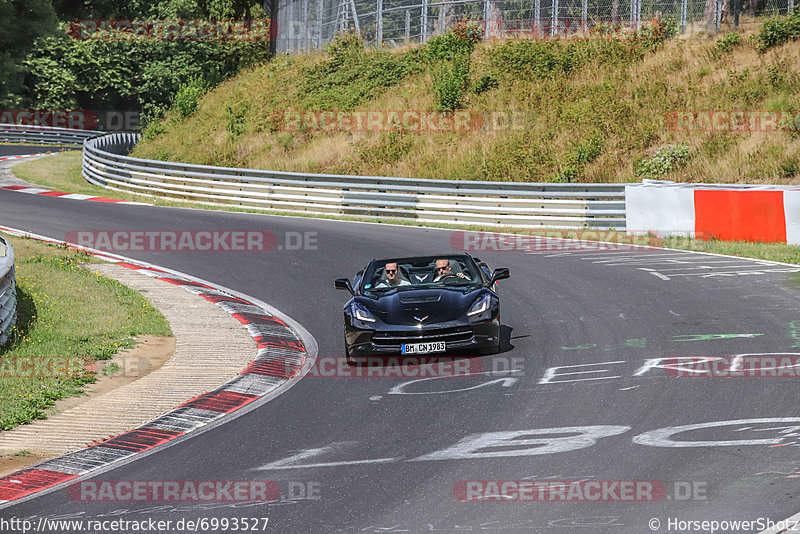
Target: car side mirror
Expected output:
[500,273]
[343,283]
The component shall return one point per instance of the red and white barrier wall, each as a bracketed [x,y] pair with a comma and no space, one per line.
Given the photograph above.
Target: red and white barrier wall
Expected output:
[765,214]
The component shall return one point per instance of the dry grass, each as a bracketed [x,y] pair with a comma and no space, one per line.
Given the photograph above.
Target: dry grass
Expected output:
[623,102]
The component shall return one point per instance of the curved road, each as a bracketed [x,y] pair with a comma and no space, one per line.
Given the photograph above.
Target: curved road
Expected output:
[586,402]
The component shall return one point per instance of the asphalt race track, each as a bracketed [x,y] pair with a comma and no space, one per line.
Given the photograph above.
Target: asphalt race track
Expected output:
[370,456]
[19,150]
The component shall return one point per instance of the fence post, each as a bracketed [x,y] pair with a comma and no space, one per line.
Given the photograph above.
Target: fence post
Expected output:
[790,6]
[487,14]
[683,14]
[355,17]
[638,14]
[423,35]
[584,14]
[537,18]
[441,20]
[291,38]
[379,24]
[717,13]
[408,26]
[554,19]
[319,24]
[306,33]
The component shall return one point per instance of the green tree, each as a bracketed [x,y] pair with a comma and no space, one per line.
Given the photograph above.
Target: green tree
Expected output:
[21,23]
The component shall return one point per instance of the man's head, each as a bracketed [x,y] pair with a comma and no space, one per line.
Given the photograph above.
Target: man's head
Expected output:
[442,267]
[391,273]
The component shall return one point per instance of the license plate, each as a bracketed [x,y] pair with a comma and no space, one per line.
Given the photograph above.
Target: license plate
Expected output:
[423,348]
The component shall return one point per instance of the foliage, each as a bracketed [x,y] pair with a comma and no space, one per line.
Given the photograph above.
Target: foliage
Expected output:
[777,31]
[22,22]
[485,83]
[188,95]
[729,42]
[351,75]
[449,56]
[44,68]
[235,123]
[665,160]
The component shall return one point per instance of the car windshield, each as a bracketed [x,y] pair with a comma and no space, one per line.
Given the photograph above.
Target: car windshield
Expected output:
[403,274]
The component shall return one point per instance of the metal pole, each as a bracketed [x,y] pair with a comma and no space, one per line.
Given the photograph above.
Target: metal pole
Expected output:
[537,18]
[554,20]
[319,23]
[423,36]
[441,20]
[306,32]
[790,6]
[633,14]
[408,26]
[379,24]
[584,14]
[683,15]
[487,14]
[355,17]
[292,27]
[638,14]
[717,13]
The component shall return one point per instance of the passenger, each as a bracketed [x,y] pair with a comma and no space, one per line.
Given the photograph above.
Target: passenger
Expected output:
[444,269]
[393,279]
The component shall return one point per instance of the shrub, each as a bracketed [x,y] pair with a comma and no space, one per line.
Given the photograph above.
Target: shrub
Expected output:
[664,161]
[728,43]
[449,81]
[235,124]
[484,83]
[188,96]
[775,32]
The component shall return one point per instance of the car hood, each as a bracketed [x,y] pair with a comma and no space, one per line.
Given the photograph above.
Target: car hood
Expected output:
[425,306]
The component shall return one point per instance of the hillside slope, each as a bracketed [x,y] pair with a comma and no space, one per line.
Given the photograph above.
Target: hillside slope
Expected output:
[589,110]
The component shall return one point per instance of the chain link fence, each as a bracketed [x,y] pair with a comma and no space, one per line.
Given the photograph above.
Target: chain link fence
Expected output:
[310,24]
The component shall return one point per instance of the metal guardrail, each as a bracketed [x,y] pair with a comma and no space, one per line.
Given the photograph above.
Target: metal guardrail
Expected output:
[517,204]
[8,290]
[43,135]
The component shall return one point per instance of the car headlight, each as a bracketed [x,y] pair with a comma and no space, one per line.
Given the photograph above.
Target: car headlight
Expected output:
[481,305]
[361,313]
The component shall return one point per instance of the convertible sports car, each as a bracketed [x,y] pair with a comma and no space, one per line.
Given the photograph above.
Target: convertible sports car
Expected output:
[422,305]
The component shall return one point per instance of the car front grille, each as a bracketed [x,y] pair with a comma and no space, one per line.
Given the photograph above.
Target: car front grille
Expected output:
[449,335]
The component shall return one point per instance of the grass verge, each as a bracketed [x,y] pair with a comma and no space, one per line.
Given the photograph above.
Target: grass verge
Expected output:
[68,317]
[62,171]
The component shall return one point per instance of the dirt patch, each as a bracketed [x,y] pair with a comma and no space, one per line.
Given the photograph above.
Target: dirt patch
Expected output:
[149,354]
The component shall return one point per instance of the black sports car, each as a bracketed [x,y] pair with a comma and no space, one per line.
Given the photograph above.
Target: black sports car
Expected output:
[422,305]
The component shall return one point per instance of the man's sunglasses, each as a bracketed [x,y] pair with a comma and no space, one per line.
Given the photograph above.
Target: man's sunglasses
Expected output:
[391,271]
[443,268]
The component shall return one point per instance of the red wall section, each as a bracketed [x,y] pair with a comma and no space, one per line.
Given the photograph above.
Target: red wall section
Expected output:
[740,215]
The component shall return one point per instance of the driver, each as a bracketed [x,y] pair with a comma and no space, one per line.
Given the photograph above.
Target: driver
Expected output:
[443,270]
[392,279]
